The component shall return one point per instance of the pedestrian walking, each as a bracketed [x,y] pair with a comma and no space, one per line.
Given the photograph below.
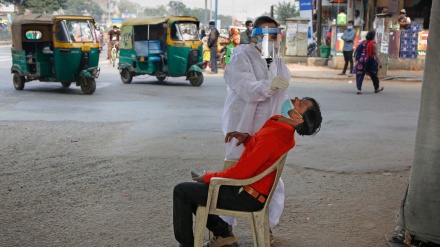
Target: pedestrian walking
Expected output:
[368,62]
[347,50]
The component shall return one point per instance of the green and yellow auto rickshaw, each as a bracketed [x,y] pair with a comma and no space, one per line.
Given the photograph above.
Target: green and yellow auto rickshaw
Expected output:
[55,48]
[162,47]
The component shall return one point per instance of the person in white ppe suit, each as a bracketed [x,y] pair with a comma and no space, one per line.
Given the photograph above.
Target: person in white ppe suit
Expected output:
[256,80]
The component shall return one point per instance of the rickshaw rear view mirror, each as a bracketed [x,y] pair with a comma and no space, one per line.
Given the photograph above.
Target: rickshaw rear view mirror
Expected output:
[33,34]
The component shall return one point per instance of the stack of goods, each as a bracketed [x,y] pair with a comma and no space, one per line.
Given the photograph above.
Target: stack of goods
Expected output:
[409,41]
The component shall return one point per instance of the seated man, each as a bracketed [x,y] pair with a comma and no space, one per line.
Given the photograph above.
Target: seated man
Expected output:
[275,138]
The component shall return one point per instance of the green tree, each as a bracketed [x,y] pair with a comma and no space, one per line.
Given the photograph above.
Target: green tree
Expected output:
[39,6]
[158,11]
[285,10]
[127,6]
[80,7]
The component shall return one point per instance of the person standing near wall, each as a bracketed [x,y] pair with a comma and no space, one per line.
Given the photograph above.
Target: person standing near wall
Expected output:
[212,44]
[348,38]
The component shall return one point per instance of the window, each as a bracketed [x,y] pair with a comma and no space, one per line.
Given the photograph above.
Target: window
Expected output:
[33,34]
[75,31]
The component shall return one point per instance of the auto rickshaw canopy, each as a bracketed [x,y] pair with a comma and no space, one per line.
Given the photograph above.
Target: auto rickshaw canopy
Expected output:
[42,23]
[155,20]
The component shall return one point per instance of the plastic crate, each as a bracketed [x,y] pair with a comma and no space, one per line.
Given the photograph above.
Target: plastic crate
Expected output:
[413,48]
[413,27]
[413,41]
[404,54]
[405,34]
[404,41]
[405,47]
[413,54]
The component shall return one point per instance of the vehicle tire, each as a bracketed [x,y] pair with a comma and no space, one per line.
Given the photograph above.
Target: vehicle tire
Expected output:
[126,76]
[88,86]
[66,84]
[18,81]
[196,82]
[161,78]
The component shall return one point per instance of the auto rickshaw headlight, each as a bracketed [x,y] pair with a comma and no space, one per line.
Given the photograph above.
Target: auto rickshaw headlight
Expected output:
[85,48]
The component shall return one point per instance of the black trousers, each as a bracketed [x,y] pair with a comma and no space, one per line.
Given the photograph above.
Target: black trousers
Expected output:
[360,79]
[188,195]
[348,57]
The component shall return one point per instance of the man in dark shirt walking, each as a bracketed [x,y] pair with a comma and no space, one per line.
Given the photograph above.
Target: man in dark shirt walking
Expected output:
[212,44]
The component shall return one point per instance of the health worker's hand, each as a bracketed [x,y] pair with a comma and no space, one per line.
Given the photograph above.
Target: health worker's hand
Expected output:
[241,137]
[278,83]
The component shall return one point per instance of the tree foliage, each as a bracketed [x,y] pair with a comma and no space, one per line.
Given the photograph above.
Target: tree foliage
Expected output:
[128,6]
[178,8]
[80,7]
[39,6]
[285,10]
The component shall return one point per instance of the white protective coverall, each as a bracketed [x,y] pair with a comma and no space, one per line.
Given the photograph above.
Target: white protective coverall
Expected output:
[249,104]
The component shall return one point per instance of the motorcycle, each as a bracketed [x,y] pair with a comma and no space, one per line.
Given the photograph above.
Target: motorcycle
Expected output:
[312,49]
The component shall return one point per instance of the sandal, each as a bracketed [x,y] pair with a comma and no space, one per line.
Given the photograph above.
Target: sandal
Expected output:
[378,90]
[359,92]
[341,74]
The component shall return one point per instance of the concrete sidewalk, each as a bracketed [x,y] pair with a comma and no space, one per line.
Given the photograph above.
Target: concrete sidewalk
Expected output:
[301,70]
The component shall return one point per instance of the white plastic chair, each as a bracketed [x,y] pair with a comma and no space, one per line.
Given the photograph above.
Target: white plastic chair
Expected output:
[259,220]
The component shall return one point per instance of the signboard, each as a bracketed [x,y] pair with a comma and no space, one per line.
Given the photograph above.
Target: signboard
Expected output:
[306,11]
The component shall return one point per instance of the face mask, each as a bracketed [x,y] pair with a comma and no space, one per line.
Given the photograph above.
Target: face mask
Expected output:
[349,27]
[250,28]
[211,26]
[286,107]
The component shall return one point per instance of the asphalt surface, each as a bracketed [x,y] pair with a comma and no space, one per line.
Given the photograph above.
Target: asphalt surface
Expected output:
[359,133]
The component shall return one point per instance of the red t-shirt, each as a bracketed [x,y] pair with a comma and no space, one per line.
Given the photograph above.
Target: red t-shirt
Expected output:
[115,34]
[262,150]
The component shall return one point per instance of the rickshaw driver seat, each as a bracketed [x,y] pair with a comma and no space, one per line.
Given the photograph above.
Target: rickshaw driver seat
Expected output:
[145,48]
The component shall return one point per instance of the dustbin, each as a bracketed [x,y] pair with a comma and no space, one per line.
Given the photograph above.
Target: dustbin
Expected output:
[325,51]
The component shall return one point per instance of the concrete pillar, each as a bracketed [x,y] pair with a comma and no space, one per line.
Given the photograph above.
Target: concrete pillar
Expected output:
[420,212]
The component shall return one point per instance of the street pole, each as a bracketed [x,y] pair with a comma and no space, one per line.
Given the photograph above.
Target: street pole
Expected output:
[318,25]
[216,11]
[206,12]
[210,10]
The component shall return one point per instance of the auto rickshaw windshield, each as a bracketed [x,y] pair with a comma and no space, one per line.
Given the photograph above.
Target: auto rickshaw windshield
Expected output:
[185,31]
[75,31]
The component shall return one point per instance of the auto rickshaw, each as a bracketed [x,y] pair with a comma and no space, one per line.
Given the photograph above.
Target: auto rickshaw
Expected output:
[55,48]
[162,47]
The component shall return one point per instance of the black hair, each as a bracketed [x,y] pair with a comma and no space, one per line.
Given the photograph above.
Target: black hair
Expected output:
[247,23]
[351,22]
[212,23]
[357,11]
[312,120]
[264,19]
[370,35]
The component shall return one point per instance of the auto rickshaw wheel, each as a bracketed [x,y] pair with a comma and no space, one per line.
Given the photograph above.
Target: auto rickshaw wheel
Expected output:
[197,79]
[66,84]
[88,85]
[18,81]
[161,78]
[126,76]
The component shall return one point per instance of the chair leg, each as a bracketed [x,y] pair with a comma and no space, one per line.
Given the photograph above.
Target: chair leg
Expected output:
[261,231]
[200,226]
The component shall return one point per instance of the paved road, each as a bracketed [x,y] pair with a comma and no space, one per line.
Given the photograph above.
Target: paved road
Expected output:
[360,132]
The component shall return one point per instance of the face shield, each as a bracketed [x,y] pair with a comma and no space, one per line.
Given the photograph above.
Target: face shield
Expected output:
[267,39]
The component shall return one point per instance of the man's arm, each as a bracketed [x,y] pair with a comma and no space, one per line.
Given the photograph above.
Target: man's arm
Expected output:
[350,36]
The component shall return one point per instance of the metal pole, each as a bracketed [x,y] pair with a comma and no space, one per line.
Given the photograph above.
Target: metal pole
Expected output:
[216,11]
[318,25]
[210,10]
[206,12]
